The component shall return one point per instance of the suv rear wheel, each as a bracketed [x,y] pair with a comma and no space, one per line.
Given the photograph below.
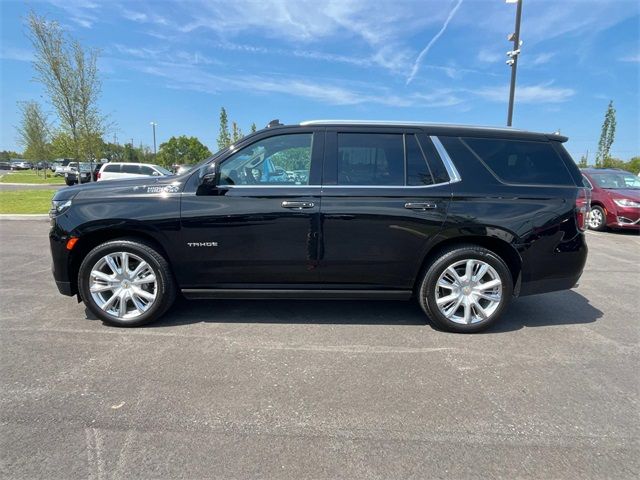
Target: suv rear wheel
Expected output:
[466,289]
[126,283]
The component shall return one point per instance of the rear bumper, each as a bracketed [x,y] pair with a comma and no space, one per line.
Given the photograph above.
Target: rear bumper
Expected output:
[550,271]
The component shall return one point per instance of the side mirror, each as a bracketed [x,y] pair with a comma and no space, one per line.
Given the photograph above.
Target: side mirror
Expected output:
[209,178]
[156,174]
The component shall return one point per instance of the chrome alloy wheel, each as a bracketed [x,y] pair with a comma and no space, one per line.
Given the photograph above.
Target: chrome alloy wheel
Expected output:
[469,291]
[595,218]
[123,285]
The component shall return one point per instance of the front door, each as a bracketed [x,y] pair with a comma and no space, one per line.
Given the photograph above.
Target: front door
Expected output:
[381,204]
[260,229]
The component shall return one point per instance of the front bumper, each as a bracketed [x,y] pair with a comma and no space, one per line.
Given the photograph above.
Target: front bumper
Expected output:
[626,218]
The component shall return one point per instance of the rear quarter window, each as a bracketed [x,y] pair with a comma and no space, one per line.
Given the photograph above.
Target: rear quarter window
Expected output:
[131,169]
[520,161]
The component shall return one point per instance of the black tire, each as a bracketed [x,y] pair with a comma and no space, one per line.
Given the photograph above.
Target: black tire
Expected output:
[599,221]
[68,181]
[447,258]
[165,289]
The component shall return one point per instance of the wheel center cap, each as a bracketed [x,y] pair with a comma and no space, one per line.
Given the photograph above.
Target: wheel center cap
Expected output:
[125,284]
[466,290]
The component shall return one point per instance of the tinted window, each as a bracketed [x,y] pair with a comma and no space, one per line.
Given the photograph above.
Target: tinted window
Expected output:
[130,168]
[523,162]
[370,159]
[146,170]
[111,168]
[418,172]
[280,160]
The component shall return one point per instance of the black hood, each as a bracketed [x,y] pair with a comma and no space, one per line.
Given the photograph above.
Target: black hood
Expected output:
[128,187]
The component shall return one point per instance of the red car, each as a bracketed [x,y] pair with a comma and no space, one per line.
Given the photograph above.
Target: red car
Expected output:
[615,198]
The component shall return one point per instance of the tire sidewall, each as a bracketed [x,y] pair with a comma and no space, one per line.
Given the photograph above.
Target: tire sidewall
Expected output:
[428,296]
[100,251]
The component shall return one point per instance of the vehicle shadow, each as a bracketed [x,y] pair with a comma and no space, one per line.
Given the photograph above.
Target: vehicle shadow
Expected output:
[559,308]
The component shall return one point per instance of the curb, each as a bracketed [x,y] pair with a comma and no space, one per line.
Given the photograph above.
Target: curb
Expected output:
[24,216]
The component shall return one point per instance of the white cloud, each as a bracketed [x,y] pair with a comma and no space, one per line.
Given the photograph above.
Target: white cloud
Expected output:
[14,53]
[423,53]
[542,58]
[633,58]
[541,93]
[488,56]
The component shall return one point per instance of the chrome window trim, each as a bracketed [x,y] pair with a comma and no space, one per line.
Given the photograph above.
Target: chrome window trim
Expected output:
[395,123]
[454,175]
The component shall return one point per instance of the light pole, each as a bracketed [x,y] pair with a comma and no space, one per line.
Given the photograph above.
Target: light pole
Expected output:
[513,58]
[153,124]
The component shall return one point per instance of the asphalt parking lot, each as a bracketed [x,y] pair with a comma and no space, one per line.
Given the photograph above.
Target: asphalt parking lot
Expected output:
[300,389]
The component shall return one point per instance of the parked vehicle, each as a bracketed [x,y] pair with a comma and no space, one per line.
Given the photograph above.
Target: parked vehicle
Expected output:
[119,171]
[21,165]
[5,165]
[82,173]
[62,167]
[41,165]
[463,218]
[615,198]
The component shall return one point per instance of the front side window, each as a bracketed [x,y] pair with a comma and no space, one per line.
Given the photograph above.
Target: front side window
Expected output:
[370,159]
[146,170]
[520,161]
[279,160]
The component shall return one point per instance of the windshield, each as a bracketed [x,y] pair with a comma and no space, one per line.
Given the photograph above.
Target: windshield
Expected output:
[163,170]
[616,180]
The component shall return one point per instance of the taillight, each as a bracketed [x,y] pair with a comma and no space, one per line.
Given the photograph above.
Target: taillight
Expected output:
[583,205]
[98,176]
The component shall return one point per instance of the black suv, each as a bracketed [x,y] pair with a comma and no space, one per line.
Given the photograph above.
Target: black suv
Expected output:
[462,218]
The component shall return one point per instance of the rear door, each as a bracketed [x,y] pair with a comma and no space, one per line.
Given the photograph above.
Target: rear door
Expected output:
[385,195]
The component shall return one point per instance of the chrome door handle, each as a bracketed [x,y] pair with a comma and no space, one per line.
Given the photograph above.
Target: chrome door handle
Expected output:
[420,205]
[297,205]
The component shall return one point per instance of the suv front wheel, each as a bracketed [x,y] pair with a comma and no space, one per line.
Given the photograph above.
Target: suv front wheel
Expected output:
[466,289]
[126,283]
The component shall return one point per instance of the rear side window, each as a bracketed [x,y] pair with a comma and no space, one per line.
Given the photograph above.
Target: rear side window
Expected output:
[521,162]
[370,159]
[111,168]
[130,168]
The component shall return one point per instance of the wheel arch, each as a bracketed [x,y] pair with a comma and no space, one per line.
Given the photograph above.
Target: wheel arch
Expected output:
[89,241]
[503,249]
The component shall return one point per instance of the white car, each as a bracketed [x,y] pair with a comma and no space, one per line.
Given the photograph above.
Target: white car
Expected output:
[117,171]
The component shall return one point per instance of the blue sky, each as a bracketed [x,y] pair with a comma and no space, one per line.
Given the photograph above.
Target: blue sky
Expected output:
[176,63]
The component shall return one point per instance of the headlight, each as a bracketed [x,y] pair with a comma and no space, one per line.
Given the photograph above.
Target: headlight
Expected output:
[58,207]
[625,202]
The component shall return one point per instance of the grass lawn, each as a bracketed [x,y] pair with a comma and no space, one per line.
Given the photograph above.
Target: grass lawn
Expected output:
[26,201]
[29,176]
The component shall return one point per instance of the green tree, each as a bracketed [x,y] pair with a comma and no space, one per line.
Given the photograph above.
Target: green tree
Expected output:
[253,127]
[583,161]
[6,155]
[236,133]
[607,136]
[34,132]
[182,150]
[224,138]
[68,71]
[113,152]
[633,165]
[130,153]
[62,145]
